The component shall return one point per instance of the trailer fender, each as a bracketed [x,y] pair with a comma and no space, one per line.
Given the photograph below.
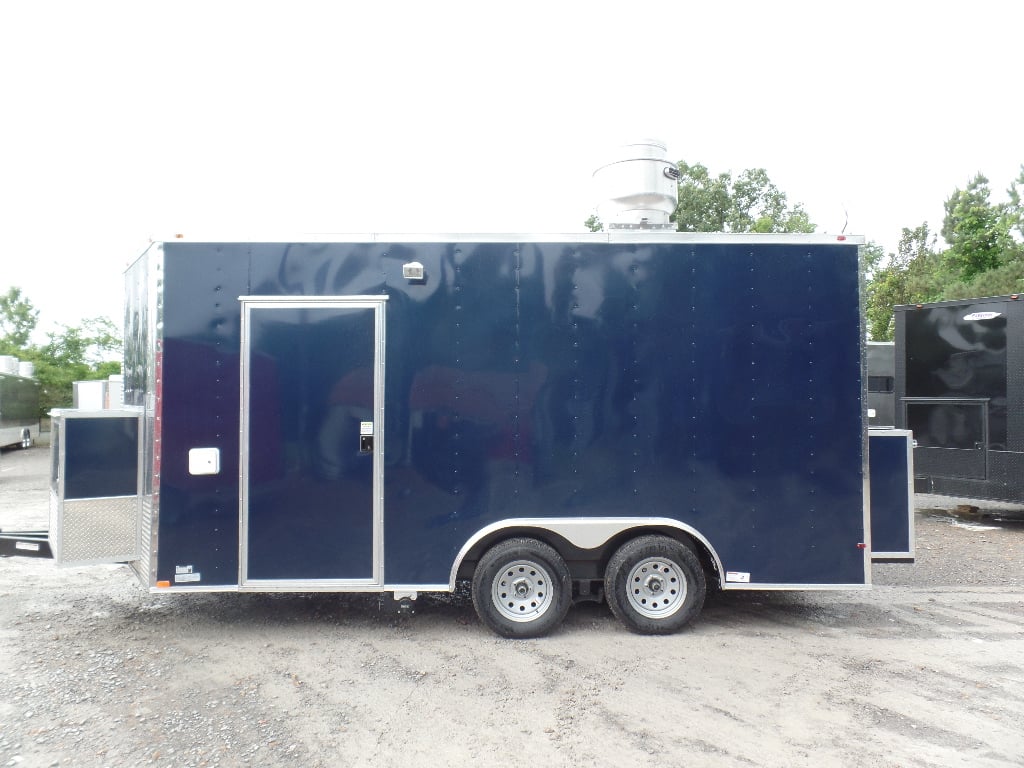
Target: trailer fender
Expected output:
[582,532]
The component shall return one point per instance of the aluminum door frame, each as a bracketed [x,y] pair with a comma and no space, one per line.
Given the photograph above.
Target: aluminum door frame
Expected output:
[374,584]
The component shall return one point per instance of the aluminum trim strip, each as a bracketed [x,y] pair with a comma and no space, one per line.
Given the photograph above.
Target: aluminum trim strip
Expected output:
[583,532]
[891,556]
[154,406]
[309,585]
[797,587]
[315,587]
[416,588]
[613,236]
[128,412]
[380,356]
[313,302]
[911,533]
[957,302]
[865,457]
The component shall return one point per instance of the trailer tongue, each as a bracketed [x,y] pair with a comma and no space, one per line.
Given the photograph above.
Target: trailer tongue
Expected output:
[25,544]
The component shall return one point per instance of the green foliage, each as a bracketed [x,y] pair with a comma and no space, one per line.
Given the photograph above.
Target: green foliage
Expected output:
[73,353]
[1013,211]
[975,229]
[984,257]
[18,319]
[1004,279]
[750,203]
[904,277]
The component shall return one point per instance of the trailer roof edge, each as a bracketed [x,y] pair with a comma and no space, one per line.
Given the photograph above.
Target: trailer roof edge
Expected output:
[959,302]
[615,236]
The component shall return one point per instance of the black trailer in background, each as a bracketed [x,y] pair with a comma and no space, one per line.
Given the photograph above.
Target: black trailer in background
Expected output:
[960,389]
[881,384]
[19,410]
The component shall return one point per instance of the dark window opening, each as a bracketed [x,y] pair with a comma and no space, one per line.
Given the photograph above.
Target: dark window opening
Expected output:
[882,384]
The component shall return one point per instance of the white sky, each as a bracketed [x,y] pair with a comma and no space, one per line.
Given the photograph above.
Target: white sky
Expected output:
[121,122]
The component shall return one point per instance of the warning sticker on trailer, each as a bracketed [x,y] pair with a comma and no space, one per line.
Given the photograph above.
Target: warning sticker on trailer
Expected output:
[183,573]
[365,428]
[738,577]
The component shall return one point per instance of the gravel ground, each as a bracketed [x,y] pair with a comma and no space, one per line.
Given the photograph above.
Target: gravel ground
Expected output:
[925,669]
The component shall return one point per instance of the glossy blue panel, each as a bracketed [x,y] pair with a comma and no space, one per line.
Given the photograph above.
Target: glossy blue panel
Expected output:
[200,358]
[891,498]
[101,457]
[310,487]
[715,383]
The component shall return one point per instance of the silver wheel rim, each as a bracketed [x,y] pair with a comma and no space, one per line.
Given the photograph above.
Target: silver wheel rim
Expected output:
[522,591]
[656,588]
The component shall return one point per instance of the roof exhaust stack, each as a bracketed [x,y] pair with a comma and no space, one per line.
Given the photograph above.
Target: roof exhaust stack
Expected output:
[638,188]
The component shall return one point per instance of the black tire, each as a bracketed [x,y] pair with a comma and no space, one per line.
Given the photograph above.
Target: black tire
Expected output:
[654,585]
[522,588]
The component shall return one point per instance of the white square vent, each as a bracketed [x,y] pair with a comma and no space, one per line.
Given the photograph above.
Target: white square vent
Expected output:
[204,461]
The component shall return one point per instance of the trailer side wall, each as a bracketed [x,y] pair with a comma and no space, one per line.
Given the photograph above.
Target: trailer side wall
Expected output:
[717,384]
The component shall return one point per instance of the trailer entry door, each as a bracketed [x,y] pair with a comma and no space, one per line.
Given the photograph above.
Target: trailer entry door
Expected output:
[312,433]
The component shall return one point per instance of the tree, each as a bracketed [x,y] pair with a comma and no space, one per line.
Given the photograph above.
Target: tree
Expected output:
[1013,211]
[985,256]
[704,201]
[905,277]
[751,203]
[76,353]
[72,353]
[18,320]
[976,230]
[89,344]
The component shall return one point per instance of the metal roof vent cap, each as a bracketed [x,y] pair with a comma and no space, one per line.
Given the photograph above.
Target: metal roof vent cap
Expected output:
[638,188]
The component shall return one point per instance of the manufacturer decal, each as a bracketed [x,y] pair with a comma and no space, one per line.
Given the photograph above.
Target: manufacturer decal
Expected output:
[182,577]
[26,545]
[738,577]
[982,315]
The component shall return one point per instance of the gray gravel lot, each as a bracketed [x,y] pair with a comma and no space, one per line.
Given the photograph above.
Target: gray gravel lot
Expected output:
[925,669]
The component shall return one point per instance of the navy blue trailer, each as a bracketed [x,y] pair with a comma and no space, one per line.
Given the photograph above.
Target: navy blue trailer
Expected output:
[627,415]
